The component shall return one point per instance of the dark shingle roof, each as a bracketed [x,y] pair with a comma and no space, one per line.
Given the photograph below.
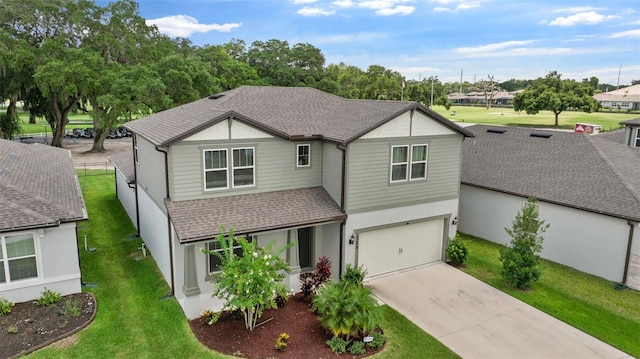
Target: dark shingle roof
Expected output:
[634,121]
[283,111]
[575,170]
[200,219]
[38,186]
[123,162]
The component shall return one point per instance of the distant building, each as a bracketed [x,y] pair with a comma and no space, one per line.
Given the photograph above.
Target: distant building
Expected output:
[627,98]
[499,98]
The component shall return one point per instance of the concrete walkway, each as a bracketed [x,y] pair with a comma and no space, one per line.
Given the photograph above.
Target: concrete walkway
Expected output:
[476,320]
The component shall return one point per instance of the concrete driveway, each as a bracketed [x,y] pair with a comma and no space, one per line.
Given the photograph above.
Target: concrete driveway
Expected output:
[476,320]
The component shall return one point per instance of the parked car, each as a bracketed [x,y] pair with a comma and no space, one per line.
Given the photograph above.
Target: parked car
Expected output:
[114,134]
[88,132]
[77,132]
[124,132]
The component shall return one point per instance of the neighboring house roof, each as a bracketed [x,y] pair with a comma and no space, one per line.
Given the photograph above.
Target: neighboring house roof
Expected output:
[283,111]
[617,136]
[569,169]
[38,187]
[196,220]
[625,94]
[634,121]
[123,162]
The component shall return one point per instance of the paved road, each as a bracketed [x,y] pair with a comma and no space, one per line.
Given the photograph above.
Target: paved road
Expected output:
[476,320]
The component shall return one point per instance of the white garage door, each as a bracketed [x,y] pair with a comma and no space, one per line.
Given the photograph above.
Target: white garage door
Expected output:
[390,249]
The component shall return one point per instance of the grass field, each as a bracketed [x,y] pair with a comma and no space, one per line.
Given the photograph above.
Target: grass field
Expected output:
[508,117]
[586,302]
[135,320]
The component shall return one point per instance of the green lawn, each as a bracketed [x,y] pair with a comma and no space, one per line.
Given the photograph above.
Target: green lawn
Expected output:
[41,125]
[586,302]
[133,319]
[507,116]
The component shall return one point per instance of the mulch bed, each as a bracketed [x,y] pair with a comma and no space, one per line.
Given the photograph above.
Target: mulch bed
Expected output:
[29,327]
[307,336]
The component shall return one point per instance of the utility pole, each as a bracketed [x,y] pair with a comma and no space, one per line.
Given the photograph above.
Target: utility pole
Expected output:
[432,79]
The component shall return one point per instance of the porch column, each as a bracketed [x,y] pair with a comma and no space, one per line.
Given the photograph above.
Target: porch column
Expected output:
[190,287]
[294,261]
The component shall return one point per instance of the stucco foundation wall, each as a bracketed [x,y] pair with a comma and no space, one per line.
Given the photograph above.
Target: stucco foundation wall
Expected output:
[127,197]
[586,241]
[154,232]
[358,221]
[58,266]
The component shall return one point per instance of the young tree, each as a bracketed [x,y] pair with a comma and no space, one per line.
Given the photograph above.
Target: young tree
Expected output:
[249,282]
[555,95]
[521,258]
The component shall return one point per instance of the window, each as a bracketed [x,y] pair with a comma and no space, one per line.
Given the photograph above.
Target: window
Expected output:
[214,261]
[135,148]
[17,258]
[243,167]
[408,163]
[215,169]
[304,155]
[399,163]
[305,249]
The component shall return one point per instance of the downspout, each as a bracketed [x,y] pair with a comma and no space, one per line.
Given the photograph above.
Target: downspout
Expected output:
[628,257]
[342,204]
[166,180]
[135,187]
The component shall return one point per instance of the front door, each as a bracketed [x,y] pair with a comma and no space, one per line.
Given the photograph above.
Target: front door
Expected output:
[305,248]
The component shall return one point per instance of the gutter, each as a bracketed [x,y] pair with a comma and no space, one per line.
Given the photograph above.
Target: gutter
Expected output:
[342,205]
[169,236]
[628,256]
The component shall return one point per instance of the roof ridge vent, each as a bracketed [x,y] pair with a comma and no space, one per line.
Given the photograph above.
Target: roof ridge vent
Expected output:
[497,130]
[540,134]
[215,96]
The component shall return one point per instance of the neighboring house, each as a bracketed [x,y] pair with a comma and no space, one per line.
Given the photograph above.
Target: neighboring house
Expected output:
[626,98]
[40,204]
[371,183]
[631,133]
[499,97]
[588,189]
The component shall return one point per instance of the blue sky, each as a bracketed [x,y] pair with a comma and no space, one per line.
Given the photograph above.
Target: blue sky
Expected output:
[422,38]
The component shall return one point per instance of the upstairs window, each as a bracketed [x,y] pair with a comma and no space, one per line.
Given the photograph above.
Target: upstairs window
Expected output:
[304,155]
[216,175]
[408,163]
[17,258]
[243,167]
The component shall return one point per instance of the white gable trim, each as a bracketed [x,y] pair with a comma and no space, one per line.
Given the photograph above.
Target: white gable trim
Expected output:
[220,131]
[240,131]
[425,126]
[405,126]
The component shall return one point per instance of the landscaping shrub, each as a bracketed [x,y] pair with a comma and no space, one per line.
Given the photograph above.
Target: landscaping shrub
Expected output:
[48,297]
[338,345]
[5,306]
[346,309]
[354,275]
[282,342]
[310,282]
[378,340]
[357,348]
[457,252]
[521,258]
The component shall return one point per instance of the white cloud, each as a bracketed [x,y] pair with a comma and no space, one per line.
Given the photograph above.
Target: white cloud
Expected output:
[629,33]
[315,11]
[398,10]
[578,9]
[467,5]
[382,4]
[343,3]
[491,48]
[297,2]
[347,38]
[441,9]
[583,18]
[184,26]
[461,5]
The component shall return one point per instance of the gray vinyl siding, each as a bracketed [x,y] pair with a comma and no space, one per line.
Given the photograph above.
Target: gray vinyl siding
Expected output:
[368,165]
[150,171]
[275,163]
[332,170]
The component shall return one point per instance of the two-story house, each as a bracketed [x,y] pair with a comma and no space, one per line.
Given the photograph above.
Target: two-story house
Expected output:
[372,183]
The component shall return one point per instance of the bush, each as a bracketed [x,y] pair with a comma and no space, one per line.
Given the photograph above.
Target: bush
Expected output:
[210,317]
[346,309]
[282,342]
[520,259]
[378,340]
[48,298]
[354,275]
[457,252]
[5,306]
[337,345]
[357,348]
[310,282]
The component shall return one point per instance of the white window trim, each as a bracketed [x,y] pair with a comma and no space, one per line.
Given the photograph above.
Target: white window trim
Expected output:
[399,163]
[308,145]
[411,162]
[205,170]
[5,258]
[136,155]
[233,167]
[637,139]
[249,238]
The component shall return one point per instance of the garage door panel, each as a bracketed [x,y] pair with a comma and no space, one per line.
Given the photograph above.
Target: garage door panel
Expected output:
[394,248]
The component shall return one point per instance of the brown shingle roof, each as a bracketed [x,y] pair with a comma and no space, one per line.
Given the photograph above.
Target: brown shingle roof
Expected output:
[200,219]
[634,121]
[283,111]
[123,162]
[38,186]
[575,170]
